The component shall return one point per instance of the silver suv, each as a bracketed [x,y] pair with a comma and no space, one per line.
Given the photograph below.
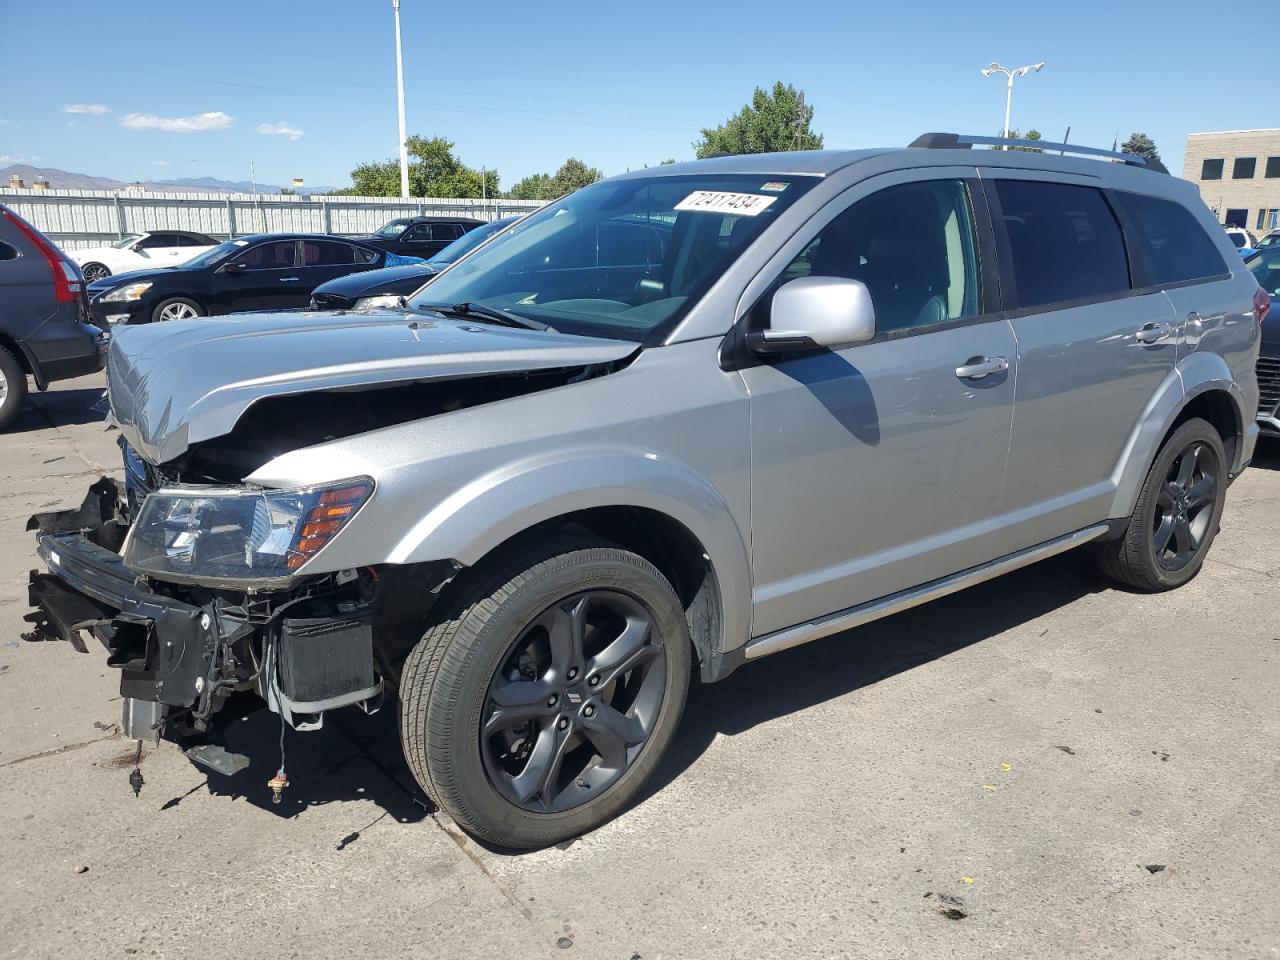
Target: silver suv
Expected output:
[679,420]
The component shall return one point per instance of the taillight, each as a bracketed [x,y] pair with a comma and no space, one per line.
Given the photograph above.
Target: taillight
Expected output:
[1261,305]
[67,282]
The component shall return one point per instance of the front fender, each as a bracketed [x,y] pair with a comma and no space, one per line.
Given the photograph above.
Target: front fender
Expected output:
[494,507]
[1194,375]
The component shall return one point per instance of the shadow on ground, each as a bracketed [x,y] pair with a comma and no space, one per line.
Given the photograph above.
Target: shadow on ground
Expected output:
[1267,454]
[358,757]
[60,408]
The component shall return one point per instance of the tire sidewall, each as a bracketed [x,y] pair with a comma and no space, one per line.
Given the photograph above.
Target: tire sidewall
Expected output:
[16,378]
[490,633]
[1189,432]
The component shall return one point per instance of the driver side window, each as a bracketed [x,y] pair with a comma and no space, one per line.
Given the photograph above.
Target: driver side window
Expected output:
[913,245]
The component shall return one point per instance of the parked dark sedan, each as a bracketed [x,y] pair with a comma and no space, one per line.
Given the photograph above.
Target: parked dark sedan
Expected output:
[384,288]
[1265,265]
[44,320]
[264,272]
[420,236]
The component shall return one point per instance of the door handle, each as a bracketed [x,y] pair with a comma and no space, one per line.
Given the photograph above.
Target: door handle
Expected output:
[1154,332]
[978,367]
[288,279]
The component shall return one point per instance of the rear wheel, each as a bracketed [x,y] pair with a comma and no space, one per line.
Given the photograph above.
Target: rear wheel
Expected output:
[13,388]
[1177,513]
[537,708]
[95,271]
[176,308]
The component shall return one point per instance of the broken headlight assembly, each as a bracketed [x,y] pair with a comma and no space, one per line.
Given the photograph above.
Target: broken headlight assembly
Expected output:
[236,537]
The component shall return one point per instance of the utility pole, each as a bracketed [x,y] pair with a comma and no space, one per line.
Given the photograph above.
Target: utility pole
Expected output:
[1012,75]
[404,153]
[796,140]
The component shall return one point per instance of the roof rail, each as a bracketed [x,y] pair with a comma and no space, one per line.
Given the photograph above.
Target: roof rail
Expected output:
[963,141]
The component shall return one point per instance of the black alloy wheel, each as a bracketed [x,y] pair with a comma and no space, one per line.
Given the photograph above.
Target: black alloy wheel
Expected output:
[574,701]
[1185,504]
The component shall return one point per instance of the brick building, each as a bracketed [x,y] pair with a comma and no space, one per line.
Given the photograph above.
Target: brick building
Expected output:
[1238,173]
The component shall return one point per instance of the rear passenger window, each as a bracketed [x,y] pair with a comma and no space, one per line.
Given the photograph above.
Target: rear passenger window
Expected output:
[1173,244]
[446,231]
[7,252]
[1064,240]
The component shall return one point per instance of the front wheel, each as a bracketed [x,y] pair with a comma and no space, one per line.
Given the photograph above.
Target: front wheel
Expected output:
[176,308]
[537,707]
[1177,513]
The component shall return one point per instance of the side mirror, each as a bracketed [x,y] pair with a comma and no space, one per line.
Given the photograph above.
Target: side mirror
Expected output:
[816,312]
[232,268]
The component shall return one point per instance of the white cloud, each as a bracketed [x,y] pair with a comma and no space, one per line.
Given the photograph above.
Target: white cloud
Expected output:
[96,109]
[281,128]
[162,163]
[217,120]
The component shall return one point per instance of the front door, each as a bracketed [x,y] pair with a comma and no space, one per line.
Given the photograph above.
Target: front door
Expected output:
[268,278]
[879,467]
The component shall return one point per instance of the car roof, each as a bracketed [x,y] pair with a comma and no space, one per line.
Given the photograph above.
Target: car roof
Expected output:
[257,237]
[436,219]
[824,163]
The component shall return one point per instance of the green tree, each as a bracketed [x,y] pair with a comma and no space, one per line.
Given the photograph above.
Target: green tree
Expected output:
[772,121]
[433,172]
[573,175]
[1142,145]
[536,186]
[1031,134]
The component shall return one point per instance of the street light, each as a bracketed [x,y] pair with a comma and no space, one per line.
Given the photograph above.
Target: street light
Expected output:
[1012,75]
[404,153]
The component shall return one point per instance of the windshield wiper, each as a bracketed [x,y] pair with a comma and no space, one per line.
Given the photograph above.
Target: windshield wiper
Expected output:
[492,314]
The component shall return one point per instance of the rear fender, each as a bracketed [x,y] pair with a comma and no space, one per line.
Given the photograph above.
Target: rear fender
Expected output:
[1194,375]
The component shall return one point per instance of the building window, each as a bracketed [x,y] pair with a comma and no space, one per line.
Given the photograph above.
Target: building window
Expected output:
[1237,217]
[1273,168]
[1244,168]
[1212,170]
[1262,215]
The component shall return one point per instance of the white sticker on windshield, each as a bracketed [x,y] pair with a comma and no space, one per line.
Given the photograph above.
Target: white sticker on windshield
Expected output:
[715,201]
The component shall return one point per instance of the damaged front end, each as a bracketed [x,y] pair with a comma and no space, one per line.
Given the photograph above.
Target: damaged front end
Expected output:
[207,601]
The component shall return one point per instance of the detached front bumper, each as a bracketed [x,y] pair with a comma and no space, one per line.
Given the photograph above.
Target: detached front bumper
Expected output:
[184,649]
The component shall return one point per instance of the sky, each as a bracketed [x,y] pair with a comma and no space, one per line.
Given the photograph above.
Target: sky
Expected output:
[159,89]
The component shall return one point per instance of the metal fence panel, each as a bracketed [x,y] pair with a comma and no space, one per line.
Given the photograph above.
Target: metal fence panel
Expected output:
[75,219]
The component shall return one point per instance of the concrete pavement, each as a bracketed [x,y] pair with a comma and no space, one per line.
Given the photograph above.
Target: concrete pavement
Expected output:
[989,775]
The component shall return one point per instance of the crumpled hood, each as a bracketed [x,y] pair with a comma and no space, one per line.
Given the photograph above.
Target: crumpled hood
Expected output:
[180,383]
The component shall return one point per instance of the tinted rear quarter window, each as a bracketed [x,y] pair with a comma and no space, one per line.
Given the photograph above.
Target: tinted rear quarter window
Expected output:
[1172,243]
[1064,241]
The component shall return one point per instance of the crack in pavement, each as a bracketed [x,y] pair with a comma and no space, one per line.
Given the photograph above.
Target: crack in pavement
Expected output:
[65,748]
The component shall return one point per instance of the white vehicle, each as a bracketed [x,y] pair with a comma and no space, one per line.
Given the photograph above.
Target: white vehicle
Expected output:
[141,251]
[1242,238]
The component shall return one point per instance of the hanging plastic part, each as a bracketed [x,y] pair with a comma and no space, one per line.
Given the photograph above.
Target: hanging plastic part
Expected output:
[135,775]
[277,783]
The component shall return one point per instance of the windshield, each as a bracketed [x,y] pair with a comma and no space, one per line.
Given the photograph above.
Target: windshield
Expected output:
[212,256]
[1266,268]
[469,241]
[128,241]
[393,229]
[625,260]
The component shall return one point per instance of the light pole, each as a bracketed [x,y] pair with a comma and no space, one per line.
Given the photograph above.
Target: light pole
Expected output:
[404,153]
[1012,75]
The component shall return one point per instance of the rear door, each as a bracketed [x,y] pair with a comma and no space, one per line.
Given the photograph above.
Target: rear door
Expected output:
[160,249]
[325,260]
[1092,349]
[878,467]
[425,239]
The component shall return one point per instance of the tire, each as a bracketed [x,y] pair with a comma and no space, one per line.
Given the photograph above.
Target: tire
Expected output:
[176,308]
[95,271]
[489,657]
[1177,514]
[13,388]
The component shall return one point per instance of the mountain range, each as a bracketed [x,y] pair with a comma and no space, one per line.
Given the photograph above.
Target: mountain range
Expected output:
[68,180]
